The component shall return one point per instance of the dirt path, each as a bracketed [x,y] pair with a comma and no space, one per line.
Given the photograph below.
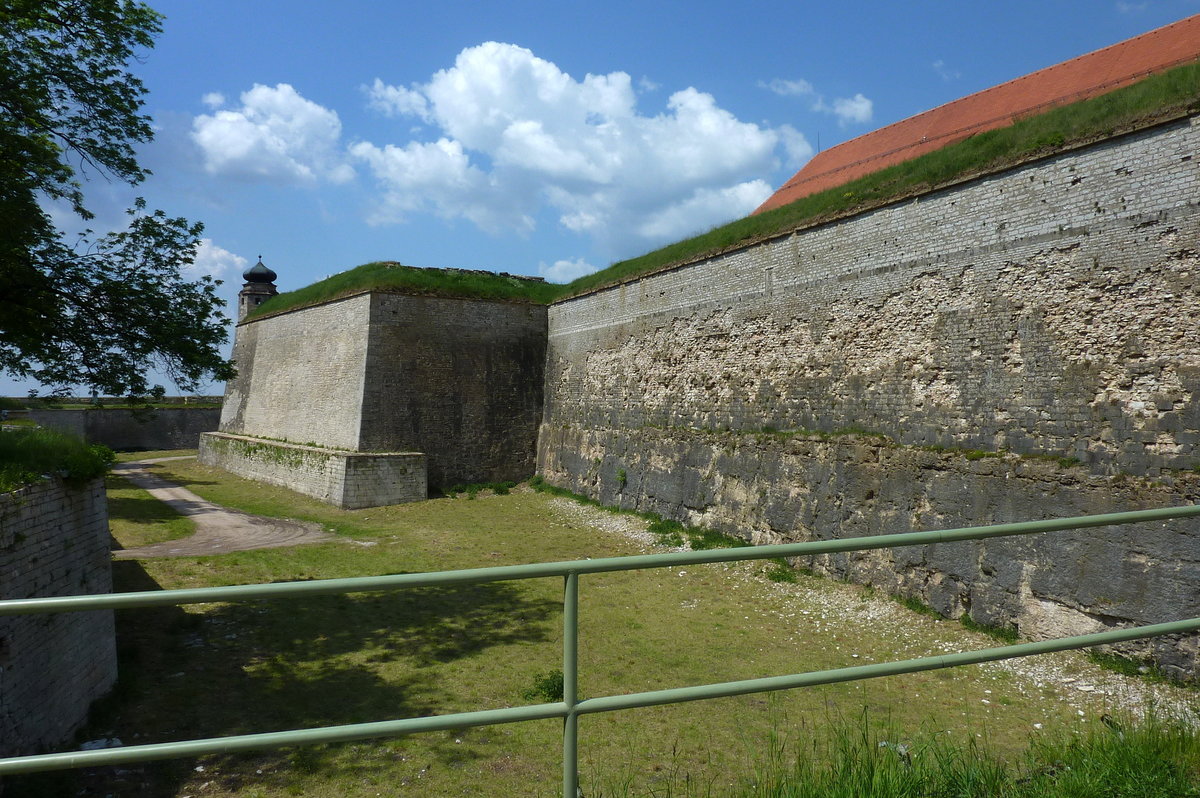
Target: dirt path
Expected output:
[218,530]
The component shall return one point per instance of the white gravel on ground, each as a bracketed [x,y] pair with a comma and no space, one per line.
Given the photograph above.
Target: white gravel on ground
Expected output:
[1068,676]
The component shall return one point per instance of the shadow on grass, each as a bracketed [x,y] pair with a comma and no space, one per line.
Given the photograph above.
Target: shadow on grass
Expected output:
[145,510]
[278,665]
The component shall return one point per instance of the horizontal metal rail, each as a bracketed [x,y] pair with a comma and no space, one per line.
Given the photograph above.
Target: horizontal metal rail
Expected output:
[502,573]
[571,707]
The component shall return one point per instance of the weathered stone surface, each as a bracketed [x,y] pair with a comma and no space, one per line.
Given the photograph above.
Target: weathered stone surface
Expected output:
[769,489]
[350,480]
[459,380]
[1051,309]
[53,542]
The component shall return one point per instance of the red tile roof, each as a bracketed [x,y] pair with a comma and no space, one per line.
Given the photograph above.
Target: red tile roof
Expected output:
[1086,76]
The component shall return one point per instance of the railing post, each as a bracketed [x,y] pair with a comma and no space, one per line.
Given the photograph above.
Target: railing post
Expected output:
[570,684]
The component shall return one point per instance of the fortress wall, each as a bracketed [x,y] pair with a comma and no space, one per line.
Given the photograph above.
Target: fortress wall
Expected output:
[121,428]
[53,542]
[457,379]
[785,489]
[1049,308]
[349,480]
[300,375]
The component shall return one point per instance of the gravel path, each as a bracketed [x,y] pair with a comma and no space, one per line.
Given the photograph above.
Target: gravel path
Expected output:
[218,530]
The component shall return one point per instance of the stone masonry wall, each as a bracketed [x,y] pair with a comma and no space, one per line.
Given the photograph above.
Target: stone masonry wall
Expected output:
[1052,309]
[771,488]
[1049,308]
[53,542]
[118,428]
[300,375]
[350,480]
[458,379]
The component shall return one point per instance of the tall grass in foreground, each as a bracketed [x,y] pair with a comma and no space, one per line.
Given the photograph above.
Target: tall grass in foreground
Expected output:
[27,454]
[1151,758]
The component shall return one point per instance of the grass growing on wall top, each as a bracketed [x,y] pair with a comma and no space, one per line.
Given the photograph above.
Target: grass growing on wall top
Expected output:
[1155,97]
[392,276]
[28,454]
[1152,99]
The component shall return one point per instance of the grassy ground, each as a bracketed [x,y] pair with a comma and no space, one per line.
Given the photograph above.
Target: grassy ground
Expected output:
[226,669]
[138,519]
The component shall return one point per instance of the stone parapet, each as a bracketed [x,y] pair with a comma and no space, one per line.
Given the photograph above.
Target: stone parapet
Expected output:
[346,479]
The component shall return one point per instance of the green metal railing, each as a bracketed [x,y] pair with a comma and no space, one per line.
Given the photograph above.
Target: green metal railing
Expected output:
[571,707]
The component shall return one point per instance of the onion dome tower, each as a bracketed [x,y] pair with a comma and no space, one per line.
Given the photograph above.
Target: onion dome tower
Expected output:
[258,288]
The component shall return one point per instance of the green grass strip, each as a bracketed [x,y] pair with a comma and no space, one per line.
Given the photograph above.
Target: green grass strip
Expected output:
[1153,99]
[1156,97]
[391,276]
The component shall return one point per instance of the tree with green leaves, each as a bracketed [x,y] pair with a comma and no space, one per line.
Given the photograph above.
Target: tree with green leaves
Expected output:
[100,311]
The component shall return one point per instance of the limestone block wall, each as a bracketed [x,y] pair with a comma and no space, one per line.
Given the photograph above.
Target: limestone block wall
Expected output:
[53,542]
[119,428]
[770,488]
[300,375]
[1052,309]
[1049,308]
[458,379]
[350,480]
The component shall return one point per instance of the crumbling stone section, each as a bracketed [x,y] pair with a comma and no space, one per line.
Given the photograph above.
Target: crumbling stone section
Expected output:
[350,480]
[1049,308]
[770,488]
[53,542]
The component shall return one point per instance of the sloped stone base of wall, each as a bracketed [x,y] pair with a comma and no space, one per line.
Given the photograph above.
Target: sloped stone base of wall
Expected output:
[771,488]
[346,479]
[53,542]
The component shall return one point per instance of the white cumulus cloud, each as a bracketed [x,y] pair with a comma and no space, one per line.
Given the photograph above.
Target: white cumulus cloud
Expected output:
[517,136]
[858,109]
[564,271]
[215,261]
[788,88]
[853,109]
[396,100]
[275,134]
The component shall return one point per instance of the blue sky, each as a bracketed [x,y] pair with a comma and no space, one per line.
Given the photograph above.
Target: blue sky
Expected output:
[540,138]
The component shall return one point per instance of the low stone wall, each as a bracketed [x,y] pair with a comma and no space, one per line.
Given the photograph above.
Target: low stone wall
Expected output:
[53,542]
[350,480]
[121,428]
[779,489]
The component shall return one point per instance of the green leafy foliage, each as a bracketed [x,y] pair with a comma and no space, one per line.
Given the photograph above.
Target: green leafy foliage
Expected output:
[546,687]
[26,455]
[101,311]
